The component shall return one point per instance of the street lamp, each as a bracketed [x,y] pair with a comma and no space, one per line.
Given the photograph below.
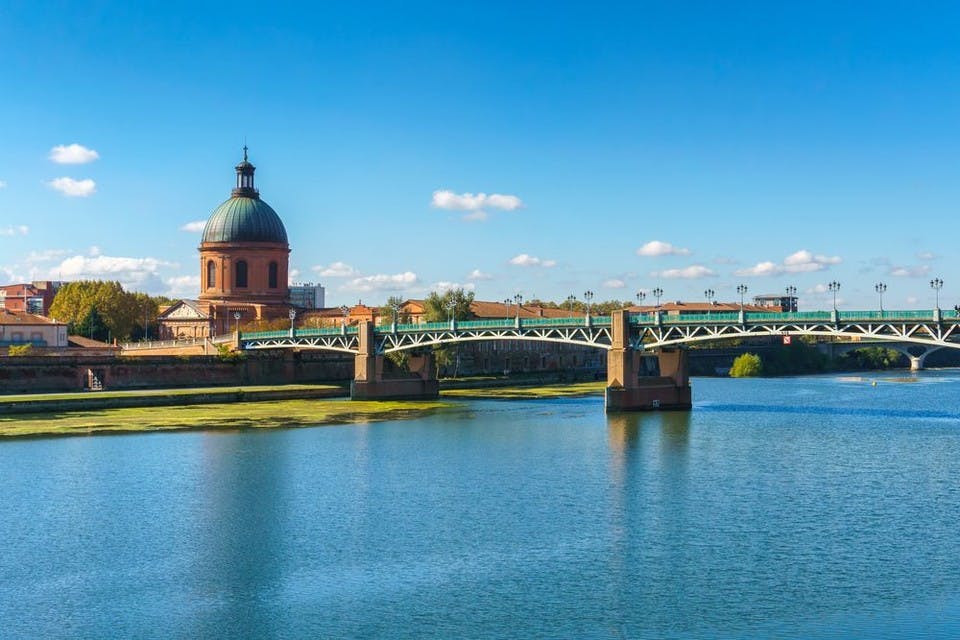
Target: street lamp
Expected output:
[641,296]
[588,296]
[880,287]
[936,284]
[345,310]
[834,287]
[395,307]
[741,289]
[519,300]
[451,305]
[570,300]
[791,298]
[709,295]
[657,293]
[236,316]
[292,314]
[506,302]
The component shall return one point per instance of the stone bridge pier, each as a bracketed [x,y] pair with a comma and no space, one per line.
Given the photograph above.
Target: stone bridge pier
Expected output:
[627,390]
[369,382]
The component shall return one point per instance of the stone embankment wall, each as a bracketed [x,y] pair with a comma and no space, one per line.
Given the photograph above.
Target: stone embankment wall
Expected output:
[76,373]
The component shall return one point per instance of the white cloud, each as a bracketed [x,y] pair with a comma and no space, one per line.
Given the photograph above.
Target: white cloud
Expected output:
[293,274]
[476,275]
[614,283]
[689,273]
[475,204]
[801,261]
[526,260]
[74,188]
[441,287]
[182,286]
[73,154]
[382,282]
[196,226]
[926,255]
[657,248]
[336,270]
[94,250]
[3,184]
[17,230]
[918,271]
[816,289]
[133,273]
[47,255]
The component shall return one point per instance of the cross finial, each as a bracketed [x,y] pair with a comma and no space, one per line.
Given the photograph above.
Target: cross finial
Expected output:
[244,151]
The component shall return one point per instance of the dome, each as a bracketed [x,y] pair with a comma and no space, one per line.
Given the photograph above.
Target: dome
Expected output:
[244,219]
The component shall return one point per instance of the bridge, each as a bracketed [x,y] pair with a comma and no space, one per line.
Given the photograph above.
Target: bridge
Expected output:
[625,336]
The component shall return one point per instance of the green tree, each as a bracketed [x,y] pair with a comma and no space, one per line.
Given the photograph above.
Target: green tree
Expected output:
[747,365]
[387,311]
[119,310]
[92,326]
[439,308]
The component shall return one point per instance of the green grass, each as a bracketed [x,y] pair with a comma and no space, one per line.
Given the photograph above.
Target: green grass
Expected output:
[213,417]
[87,395]
[517,393]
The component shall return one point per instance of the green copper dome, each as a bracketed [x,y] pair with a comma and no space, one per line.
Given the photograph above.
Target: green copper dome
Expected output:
[243,219]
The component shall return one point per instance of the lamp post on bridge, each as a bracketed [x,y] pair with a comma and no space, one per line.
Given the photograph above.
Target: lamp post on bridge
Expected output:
[709,294]
[519,300]
[791,298]
[880,287]
[936,284]
[236,317]
[345,310]
[657,293]
[641,296]
[588,296]
[571,299]
[293,316]
[741,289]
[834,287]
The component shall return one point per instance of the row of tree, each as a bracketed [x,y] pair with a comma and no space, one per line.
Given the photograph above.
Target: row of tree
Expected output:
[102,310]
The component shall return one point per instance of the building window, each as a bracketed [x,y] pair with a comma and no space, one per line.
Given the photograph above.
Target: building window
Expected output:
[211,274]
[272,278]
[241,280]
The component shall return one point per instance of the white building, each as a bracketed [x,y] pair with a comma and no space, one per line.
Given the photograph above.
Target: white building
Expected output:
[307,295]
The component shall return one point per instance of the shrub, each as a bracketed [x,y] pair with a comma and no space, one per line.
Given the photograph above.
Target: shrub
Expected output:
[19,349]
[748,365]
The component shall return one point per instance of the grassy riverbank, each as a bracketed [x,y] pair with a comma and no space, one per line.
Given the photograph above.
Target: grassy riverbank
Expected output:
[234,415]
[212,417]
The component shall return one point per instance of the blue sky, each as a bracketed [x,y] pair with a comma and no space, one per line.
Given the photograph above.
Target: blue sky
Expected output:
[619,147]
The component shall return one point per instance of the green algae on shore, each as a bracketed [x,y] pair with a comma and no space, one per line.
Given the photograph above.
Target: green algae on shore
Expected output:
[213,417]
[520,393]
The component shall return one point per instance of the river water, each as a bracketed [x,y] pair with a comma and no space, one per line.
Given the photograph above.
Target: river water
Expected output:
[815,507]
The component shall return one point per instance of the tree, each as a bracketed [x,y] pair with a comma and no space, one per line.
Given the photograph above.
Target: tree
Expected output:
[386,312]
[92,326]
[119,310]
[747,365]
[439,308]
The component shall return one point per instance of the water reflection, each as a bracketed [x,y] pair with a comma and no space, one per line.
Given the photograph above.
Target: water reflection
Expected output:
[241,538]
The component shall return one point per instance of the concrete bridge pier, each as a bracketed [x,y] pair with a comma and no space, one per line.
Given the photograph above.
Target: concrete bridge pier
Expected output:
[369,382]
[627,390]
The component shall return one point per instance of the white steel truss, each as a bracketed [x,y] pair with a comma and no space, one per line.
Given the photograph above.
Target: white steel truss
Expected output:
[923,333]
[645,336]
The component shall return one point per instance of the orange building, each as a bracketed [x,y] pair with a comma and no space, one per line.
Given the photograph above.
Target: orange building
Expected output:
[244,267]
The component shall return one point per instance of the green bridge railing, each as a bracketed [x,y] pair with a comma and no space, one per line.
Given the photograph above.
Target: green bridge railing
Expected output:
[646,319]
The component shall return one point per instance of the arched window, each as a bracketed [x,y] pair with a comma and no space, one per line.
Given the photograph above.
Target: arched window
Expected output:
[241,279]
[272,276]
[211,274]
